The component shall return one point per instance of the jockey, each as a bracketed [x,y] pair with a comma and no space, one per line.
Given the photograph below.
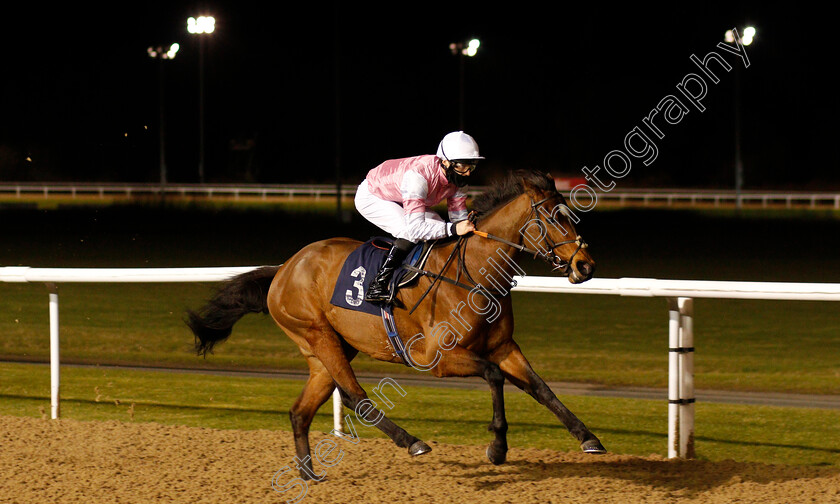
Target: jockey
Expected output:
[397,196]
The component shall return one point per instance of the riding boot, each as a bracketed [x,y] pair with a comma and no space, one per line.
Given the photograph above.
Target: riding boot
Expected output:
[379,290]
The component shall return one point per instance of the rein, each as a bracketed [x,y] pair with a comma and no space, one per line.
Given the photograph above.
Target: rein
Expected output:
[550,257]
[461,244]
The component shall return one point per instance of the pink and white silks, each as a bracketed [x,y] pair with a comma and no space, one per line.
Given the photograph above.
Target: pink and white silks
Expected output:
[397,196]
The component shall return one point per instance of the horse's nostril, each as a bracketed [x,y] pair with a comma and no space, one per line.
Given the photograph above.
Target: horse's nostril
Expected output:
[585,268]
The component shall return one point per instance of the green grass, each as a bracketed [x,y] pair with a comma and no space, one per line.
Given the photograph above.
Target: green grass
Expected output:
[131,324]
[741,345]
[637,427]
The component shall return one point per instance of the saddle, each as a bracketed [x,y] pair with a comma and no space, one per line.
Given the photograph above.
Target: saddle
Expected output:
[361,267]
[416,259]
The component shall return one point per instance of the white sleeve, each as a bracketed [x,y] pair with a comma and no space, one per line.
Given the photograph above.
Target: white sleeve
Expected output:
[419,224]
[457,206]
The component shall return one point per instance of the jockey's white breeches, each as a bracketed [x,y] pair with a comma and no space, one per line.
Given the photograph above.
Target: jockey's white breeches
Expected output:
[388,215]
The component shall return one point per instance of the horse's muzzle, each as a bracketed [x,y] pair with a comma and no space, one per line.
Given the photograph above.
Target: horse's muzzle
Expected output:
[581,271]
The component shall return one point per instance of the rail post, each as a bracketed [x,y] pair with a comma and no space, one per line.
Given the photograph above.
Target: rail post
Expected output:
[681,377]
[338,420]
[55,376]
[673,378]
[686,364]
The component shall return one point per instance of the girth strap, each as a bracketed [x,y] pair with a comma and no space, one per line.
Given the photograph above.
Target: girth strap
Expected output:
[391,331]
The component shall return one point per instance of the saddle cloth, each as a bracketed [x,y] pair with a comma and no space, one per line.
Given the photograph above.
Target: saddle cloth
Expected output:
[362,265]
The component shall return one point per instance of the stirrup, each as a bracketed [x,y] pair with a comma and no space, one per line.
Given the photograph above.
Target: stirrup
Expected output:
[386,294]
[387,298]
[387,274]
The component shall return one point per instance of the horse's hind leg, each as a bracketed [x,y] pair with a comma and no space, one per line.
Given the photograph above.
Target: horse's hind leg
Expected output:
[517,369]
[328,350]
[315,393]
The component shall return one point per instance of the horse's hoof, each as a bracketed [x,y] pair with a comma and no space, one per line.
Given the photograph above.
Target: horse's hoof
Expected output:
[495,457]
[418,448]
[592,446]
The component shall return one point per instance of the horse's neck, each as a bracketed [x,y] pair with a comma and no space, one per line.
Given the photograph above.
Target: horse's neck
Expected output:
[508,220]
[504,223]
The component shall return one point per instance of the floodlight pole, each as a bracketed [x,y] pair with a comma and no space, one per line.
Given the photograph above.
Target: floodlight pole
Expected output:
[337,98]
[461,93]
[160,54]
[202,26]
[739,165]
[733,36]
[201,109]
[161,127]
[460,49]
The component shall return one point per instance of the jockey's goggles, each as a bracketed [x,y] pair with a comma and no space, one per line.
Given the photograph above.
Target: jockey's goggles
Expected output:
[464,166]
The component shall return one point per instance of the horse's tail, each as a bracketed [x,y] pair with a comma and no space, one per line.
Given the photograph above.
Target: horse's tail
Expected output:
[235,298]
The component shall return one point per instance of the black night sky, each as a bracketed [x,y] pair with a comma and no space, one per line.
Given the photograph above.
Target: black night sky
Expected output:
[553,87]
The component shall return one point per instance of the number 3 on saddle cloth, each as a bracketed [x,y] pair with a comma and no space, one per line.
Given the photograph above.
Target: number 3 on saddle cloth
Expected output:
[358,272]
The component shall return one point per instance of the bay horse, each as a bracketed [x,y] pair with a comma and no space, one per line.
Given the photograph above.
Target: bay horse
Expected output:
[297,295]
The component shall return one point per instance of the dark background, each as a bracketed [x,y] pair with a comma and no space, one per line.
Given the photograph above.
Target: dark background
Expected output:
[290,88]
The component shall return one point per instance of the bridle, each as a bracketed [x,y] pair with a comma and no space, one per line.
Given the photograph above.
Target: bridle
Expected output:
[551,257]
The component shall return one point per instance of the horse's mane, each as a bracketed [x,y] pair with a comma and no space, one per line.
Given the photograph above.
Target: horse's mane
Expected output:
[509,188]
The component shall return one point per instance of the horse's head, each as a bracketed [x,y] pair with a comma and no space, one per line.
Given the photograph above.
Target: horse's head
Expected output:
[549,230]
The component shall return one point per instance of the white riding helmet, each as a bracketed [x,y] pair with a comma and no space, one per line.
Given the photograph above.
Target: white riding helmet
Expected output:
[457,146]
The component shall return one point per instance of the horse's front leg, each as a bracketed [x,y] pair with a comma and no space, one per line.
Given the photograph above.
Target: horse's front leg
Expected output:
[461,362]
[517,369]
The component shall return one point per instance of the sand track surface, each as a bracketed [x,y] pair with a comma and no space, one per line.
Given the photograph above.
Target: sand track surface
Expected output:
[73,461]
